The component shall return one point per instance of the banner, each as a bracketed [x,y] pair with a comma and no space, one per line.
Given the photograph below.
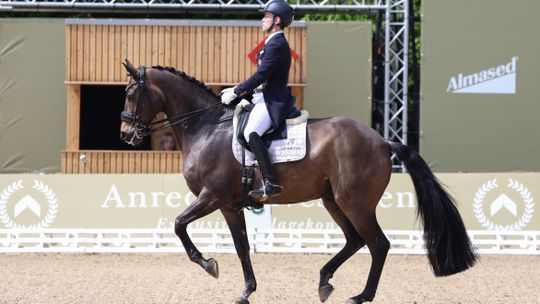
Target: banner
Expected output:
[339,70]
[479,107]
[487,201]
[32,94]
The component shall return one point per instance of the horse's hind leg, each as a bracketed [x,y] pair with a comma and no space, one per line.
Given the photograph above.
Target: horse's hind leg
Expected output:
[366,224]
[353,243]
[237,225]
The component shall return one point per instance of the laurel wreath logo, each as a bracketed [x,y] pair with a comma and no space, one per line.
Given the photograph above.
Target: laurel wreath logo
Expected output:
[39,186]
[4,197]
[514,185]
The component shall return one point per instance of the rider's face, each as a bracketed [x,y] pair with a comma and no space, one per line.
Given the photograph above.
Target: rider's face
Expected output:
[266,21]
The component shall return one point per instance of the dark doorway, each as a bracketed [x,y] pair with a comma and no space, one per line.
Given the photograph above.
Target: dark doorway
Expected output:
[100,119]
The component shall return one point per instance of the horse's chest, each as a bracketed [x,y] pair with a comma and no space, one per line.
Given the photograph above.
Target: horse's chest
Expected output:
[202,161]
[193,170]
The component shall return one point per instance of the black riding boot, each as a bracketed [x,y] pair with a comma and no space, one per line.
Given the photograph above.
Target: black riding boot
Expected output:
[271,185]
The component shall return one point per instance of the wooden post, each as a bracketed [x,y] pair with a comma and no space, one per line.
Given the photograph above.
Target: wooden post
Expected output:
[298,92]
[73,116]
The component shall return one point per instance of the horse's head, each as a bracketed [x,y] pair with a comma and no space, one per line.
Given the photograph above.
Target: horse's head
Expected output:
[143,102]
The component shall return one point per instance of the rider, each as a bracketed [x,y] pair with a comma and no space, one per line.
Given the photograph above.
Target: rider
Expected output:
[273,101]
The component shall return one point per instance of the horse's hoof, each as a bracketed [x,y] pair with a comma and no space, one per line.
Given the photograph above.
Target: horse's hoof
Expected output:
[212,268]
[241,301]
[358,300]
[325,291]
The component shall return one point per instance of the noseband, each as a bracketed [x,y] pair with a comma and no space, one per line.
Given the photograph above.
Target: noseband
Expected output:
[144,128]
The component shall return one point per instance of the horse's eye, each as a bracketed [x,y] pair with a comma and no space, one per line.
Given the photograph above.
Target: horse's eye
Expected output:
[130,93]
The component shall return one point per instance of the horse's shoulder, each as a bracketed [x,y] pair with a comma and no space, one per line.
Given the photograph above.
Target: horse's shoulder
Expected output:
[205,149]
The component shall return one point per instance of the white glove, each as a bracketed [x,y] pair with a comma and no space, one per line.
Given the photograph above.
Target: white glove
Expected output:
[227,95]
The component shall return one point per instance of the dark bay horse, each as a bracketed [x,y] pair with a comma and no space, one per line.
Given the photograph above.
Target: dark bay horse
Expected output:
[347,165]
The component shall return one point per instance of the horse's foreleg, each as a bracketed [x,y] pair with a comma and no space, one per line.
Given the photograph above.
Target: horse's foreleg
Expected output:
[237,225]
[353,244]
[204,205]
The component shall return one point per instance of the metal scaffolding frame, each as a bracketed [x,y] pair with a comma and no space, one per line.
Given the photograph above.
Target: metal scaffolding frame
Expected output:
[396,33]
[396,70]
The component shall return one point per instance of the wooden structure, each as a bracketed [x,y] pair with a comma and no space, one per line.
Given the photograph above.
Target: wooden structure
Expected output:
[215,52]
[120,162]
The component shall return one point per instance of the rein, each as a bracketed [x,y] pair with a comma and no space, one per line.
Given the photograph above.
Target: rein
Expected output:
[144,128]
[180,119]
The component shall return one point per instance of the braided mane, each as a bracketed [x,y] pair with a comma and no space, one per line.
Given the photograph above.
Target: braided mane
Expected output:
[185,76]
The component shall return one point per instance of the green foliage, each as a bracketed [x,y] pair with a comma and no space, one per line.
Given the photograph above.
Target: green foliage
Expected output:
[337,17]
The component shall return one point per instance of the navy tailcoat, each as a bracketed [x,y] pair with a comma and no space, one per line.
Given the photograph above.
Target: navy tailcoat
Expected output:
[273,73]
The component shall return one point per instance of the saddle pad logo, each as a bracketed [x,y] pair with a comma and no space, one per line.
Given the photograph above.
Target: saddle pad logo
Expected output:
[22,210]
[508,209]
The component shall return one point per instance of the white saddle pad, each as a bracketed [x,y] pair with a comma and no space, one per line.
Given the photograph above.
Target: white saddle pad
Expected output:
[292,148]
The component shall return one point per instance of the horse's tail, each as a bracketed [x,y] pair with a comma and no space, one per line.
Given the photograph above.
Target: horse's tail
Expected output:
[448,246]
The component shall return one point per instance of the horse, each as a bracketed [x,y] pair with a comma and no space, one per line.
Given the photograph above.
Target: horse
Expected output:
[347,165]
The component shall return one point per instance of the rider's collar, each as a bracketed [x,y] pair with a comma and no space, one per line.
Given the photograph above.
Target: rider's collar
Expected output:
[271,35]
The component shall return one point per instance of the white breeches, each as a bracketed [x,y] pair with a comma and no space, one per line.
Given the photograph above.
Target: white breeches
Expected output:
[259,119]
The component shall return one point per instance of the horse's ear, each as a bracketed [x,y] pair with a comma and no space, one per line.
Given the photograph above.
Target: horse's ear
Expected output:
[132,71]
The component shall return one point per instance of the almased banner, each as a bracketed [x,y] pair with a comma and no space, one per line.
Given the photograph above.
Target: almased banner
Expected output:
[479,108]
[487,201]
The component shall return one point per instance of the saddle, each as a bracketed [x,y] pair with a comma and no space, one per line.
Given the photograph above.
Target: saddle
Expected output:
[292,147]
[267,137]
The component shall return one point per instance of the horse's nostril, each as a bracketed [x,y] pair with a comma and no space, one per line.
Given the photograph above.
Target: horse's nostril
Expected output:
[123,135]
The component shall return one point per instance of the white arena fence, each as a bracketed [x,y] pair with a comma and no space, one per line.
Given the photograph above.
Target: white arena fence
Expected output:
[220,241]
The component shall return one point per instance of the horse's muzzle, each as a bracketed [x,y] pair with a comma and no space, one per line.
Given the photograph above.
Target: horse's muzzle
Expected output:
[131,138]
[123,136]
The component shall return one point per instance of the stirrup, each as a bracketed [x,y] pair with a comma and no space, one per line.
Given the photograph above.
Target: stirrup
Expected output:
[269,189]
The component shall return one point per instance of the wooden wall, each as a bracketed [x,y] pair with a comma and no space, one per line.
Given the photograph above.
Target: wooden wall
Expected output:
[215,52]
[95,162]
[217,55]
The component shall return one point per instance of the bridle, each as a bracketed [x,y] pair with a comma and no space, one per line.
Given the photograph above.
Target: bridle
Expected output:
[144,128]
[141,126]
